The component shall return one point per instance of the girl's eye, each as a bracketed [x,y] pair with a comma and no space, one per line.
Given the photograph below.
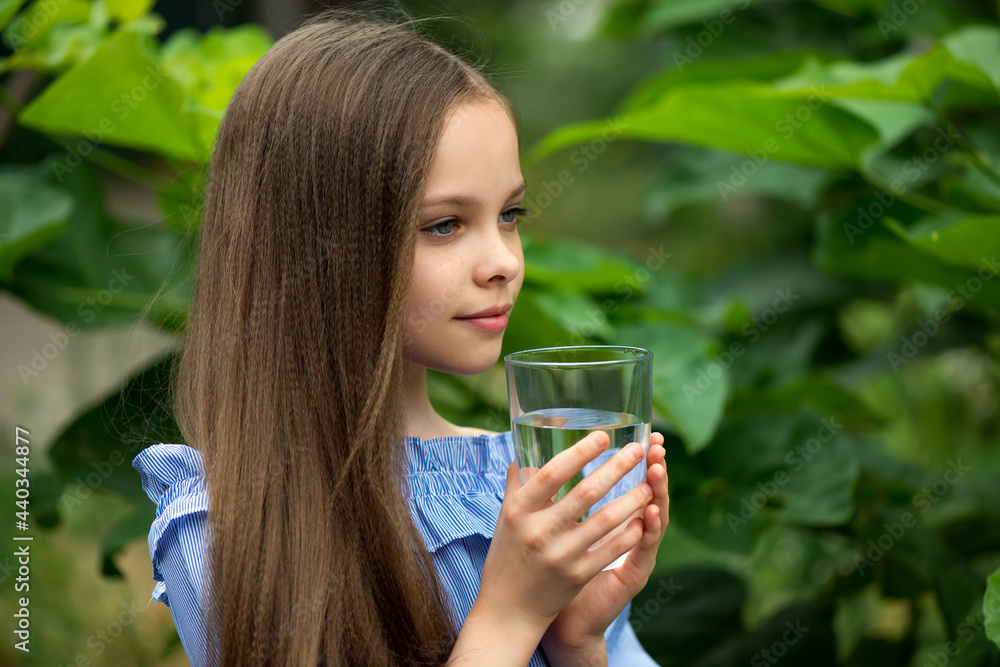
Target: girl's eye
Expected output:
[517,212]
[446,228]
[440,224]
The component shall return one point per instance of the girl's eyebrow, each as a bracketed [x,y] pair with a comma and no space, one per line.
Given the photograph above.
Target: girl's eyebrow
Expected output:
[466,201]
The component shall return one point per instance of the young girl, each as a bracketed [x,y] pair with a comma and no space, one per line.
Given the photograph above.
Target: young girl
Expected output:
[360,227]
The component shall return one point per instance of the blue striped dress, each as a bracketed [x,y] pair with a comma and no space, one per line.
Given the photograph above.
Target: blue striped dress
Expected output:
[454,488]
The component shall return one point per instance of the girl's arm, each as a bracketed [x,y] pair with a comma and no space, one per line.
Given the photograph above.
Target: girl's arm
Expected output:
[490,640]
[594,654]
[496,637]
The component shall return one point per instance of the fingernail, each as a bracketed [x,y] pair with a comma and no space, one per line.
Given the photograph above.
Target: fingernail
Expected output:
[635,449]
[647,489]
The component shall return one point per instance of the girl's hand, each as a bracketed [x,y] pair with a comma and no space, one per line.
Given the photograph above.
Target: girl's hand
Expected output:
[581,624]
[540,557]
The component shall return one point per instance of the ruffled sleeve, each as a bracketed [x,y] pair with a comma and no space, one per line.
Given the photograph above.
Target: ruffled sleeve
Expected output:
[173,477]
[455,485]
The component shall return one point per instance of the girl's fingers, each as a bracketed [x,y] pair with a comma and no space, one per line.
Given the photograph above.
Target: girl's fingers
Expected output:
[543,485]
[601,556]
[661,493]
[598,482]
[643,555]
[611,516]
[656,451]
[655,518]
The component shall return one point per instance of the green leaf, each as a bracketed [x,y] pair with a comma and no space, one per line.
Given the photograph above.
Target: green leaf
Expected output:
[991,607]
[796,118]
[102,272]
[960,241]
[689,388]
[797,469]
[95,452]
[675,13]
[978,46]
[134,525]
[531,325]
[790,125]
[8,8]
[902,77]
[701,176]
[210,66]
[34,214]
[31,28]
[807,468]
[677,614]
[578,314]
[820,393]
[760,69]
[182,199]
[128,10]
[846,248]
[122,96]
[575,266]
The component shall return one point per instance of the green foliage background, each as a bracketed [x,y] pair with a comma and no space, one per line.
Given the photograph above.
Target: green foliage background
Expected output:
[794,205]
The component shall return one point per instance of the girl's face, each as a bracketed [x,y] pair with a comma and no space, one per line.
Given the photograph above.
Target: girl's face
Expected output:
[468,255]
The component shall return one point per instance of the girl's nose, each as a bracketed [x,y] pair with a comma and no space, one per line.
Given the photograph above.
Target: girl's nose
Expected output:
[501,258]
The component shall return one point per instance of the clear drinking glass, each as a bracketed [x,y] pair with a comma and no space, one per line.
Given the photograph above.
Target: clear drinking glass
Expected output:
[558,395]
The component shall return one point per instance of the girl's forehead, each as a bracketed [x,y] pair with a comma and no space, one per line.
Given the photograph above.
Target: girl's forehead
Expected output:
[477,156]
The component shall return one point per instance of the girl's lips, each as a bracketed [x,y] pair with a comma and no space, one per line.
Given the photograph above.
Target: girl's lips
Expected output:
[488,324]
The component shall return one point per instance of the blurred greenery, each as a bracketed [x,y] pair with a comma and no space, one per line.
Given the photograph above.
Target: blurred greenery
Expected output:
[794,205]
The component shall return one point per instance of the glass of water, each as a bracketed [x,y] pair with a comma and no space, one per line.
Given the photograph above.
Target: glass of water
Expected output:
[558,395]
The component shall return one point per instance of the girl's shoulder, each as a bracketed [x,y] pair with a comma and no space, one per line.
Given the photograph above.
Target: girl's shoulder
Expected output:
[173,476]
[162,466]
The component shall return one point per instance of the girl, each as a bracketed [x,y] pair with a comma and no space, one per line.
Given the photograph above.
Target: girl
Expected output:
[360,227]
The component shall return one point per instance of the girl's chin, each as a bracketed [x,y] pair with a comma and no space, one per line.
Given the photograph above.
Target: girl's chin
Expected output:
[456,356]
[469,365]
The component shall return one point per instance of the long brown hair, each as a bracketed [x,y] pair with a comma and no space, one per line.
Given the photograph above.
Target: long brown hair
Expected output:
[291,377]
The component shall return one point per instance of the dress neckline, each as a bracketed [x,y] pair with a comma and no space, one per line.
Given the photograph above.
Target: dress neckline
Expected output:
[473,454]
[416,439]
